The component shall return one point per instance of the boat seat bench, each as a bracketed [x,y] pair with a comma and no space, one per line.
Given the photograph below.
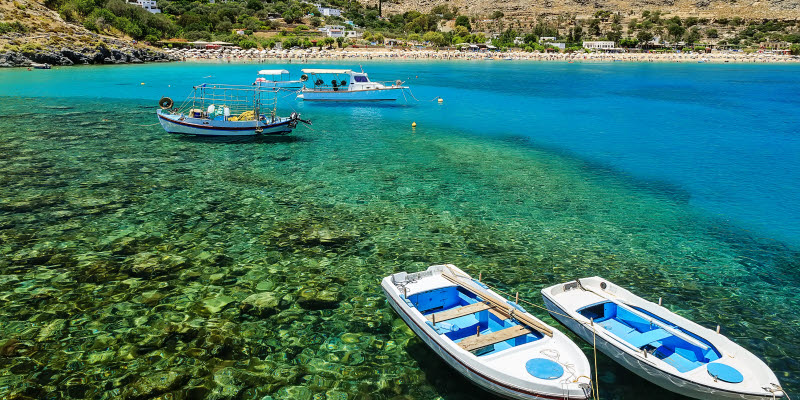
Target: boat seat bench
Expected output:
[457,312]
[476,342]
[645,338]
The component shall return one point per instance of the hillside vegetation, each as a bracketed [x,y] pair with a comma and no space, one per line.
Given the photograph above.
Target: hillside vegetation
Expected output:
[293,23]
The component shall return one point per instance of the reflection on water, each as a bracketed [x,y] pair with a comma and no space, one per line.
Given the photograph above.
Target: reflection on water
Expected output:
[137,264]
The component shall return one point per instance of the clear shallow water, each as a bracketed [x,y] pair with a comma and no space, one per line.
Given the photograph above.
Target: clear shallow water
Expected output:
[127,254]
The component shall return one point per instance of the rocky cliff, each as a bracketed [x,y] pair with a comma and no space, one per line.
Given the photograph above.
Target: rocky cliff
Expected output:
[36,34]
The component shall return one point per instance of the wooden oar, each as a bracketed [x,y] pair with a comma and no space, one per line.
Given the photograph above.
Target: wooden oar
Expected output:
[542,328]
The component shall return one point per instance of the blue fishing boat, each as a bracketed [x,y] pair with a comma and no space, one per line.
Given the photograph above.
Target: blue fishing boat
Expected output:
[659,345]
[226,110]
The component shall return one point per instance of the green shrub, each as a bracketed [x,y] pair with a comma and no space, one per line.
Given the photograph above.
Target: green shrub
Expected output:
[14,26]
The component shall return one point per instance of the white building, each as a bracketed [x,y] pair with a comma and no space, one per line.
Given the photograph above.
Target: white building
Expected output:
[599,45]
[329,12]
[547,39]
[352,34]
[334,31]
[326,11]
[149,5]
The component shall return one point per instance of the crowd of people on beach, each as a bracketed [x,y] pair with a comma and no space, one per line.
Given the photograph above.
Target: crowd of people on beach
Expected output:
[301,55]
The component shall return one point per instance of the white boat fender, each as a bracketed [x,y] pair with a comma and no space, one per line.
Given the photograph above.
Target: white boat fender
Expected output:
[211,109]
[226,112]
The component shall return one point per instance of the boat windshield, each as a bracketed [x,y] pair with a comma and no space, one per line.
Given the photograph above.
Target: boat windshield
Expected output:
[360,78]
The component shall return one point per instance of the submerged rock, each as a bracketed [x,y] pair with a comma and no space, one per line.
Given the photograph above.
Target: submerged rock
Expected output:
[315,299]
[154,384]
[217,304]
[151,264]
[260,304]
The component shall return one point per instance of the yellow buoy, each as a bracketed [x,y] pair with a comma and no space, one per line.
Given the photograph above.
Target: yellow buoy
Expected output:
[413,124]
[142,83]
[441,100]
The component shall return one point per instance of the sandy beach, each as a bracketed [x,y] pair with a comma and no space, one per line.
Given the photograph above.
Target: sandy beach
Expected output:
[314,54]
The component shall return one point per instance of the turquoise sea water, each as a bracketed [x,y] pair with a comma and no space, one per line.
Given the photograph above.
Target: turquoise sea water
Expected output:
[129,258]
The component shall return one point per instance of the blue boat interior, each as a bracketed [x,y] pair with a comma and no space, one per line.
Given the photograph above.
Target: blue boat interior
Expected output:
[452,299]
[658,337]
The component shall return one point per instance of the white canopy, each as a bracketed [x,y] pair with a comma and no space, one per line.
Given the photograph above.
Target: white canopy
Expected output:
[326,71]
[273,72]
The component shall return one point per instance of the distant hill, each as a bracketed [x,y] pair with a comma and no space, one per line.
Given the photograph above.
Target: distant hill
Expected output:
[515,9]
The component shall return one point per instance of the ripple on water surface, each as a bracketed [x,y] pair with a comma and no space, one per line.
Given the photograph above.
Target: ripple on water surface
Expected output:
[137,264]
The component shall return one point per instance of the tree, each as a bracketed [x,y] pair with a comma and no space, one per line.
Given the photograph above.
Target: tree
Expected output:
[675,31]
[795,49]
[248,44]
[692,36]
[378,38]
[616,33]
[594,27]
[254,5]
[436,38]
[497,14]
[463,21]
[628,42]
[792,38]
[644,36]
[340,41]
[460,30]
[712,33]
[292,15]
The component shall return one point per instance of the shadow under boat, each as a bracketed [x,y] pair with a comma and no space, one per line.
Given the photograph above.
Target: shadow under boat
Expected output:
[257,139]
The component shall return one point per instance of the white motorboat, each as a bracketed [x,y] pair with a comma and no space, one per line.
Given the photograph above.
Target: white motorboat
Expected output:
[277,79]
[659,345]
[226,110]
[346,85]
[488,339]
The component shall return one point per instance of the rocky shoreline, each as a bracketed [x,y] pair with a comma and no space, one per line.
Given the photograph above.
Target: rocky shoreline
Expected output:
[84,56]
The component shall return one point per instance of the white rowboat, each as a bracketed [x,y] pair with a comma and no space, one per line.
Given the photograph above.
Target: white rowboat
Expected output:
[488,339]
[659,345]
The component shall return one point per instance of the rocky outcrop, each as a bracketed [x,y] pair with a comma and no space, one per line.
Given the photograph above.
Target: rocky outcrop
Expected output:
[85,56]
[48,39]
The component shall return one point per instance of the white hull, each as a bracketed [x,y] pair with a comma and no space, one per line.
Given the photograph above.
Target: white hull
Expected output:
[203,127]
[696,383]
[385,94]
[500,373]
